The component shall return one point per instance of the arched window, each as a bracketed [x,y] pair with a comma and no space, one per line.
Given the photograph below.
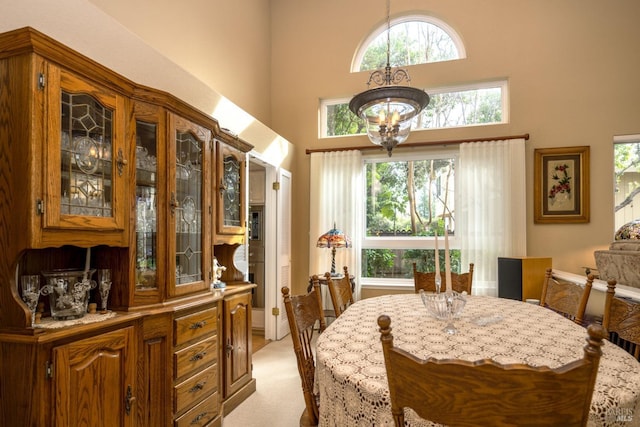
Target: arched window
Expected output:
[415,39]
[419,39]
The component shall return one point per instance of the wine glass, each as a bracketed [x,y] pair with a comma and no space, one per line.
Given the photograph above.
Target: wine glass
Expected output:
[31,293]
[104,285]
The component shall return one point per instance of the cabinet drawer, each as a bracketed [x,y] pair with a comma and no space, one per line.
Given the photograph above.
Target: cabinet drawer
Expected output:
[193,389]
[196,325]
[196,356]
[201,414]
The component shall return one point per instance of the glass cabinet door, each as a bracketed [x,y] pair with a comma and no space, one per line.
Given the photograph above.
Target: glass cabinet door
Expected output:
[146,205]
[190,204]
[149,162]
[231,191]
[85,150]
[85,160]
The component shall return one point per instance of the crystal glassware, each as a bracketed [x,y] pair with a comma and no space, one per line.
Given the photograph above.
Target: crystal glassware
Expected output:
[104,286]
[68,292]
[31,293]
[444,306]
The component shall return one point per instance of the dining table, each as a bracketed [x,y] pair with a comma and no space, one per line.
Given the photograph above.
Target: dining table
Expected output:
[351,378]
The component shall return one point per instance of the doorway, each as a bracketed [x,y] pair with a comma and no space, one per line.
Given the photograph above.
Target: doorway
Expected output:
[269,245]
[256,254]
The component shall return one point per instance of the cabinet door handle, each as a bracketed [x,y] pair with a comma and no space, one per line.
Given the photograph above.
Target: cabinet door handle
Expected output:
[128,400]
[198,356]
[121,162]
[198,325]
[198,418]
[197,387]
[223,187]
[229,348]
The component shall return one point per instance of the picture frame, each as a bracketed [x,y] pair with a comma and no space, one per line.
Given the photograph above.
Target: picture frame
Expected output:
[561,185]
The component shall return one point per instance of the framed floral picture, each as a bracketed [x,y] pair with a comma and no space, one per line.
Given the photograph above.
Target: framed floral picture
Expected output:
[561,185]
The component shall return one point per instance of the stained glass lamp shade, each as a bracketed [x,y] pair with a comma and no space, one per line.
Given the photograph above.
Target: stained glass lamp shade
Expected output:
[333,239]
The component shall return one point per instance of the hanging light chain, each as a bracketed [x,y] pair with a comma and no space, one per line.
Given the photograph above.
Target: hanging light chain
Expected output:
[388,34]
[388,109]
[386,77]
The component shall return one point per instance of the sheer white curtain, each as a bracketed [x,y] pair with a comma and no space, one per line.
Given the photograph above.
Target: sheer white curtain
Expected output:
[336,189]
[491,203]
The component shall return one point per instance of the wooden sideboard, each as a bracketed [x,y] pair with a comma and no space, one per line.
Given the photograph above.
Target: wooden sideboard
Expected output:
[99,172]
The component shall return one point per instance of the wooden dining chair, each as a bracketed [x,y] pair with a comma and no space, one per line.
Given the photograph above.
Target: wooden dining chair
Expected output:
[340,291]
[566,298]
[304,312]
[460,282]
[621,319]
[486,393]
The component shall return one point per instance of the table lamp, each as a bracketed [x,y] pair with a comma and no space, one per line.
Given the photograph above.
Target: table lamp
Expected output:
[333,239]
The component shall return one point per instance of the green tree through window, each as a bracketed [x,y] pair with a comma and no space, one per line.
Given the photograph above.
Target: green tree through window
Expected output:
[405,204]
[416,40]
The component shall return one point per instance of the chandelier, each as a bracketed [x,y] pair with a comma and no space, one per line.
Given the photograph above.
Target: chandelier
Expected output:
[388,110]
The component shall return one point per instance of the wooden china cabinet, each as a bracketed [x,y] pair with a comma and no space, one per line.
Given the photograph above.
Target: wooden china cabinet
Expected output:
[97,172]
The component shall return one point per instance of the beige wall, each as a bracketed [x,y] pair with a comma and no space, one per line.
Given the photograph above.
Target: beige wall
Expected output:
[197,54]
[571,64]
[226,44]
[572,71]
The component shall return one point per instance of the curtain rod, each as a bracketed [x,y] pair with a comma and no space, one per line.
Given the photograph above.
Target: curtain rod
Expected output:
[420,144]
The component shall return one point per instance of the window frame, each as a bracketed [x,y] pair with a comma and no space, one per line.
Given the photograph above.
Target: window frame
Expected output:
[427,19]
[389,242]
[620,140]
[502,83]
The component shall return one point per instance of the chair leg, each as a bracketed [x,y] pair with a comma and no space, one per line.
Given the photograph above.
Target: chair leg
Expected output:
[307,420]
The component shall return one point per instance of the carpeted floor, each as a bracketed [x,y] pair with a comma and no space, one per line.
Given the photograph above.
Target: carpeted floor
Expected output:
[278,399]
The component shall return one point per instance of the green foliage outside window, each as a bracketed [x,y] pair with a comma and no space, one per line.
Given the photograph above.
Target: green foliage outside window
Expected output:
[405,200]
[412,43]
[390,263]
[450,109]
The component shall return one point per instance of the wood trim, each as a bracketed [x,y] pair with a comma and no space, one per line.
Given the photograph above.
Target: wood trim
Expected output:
[420,144]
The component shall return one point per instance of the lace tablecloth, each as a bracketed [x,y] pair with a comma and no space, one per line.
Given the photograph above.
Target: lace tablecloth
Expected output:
[351,377]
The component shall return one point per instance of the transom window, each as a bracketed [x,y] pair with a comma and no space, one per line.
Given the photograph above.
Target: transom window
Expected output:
[415,39]
[455,106]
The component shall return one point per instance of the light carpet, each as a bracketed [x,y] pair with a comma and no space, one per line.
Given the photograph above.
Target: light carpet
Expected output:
[278,400]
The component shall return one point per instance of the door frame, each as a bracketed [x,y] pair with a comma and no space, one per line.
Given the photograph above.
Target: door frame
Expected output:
[275,326]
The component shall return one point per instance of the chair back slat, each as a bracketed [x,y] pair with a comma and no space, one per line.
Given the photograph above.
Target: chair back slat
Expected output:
[304,314]
[566,298]
[460,282]
[622,320]
[340,291]
[486,393]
